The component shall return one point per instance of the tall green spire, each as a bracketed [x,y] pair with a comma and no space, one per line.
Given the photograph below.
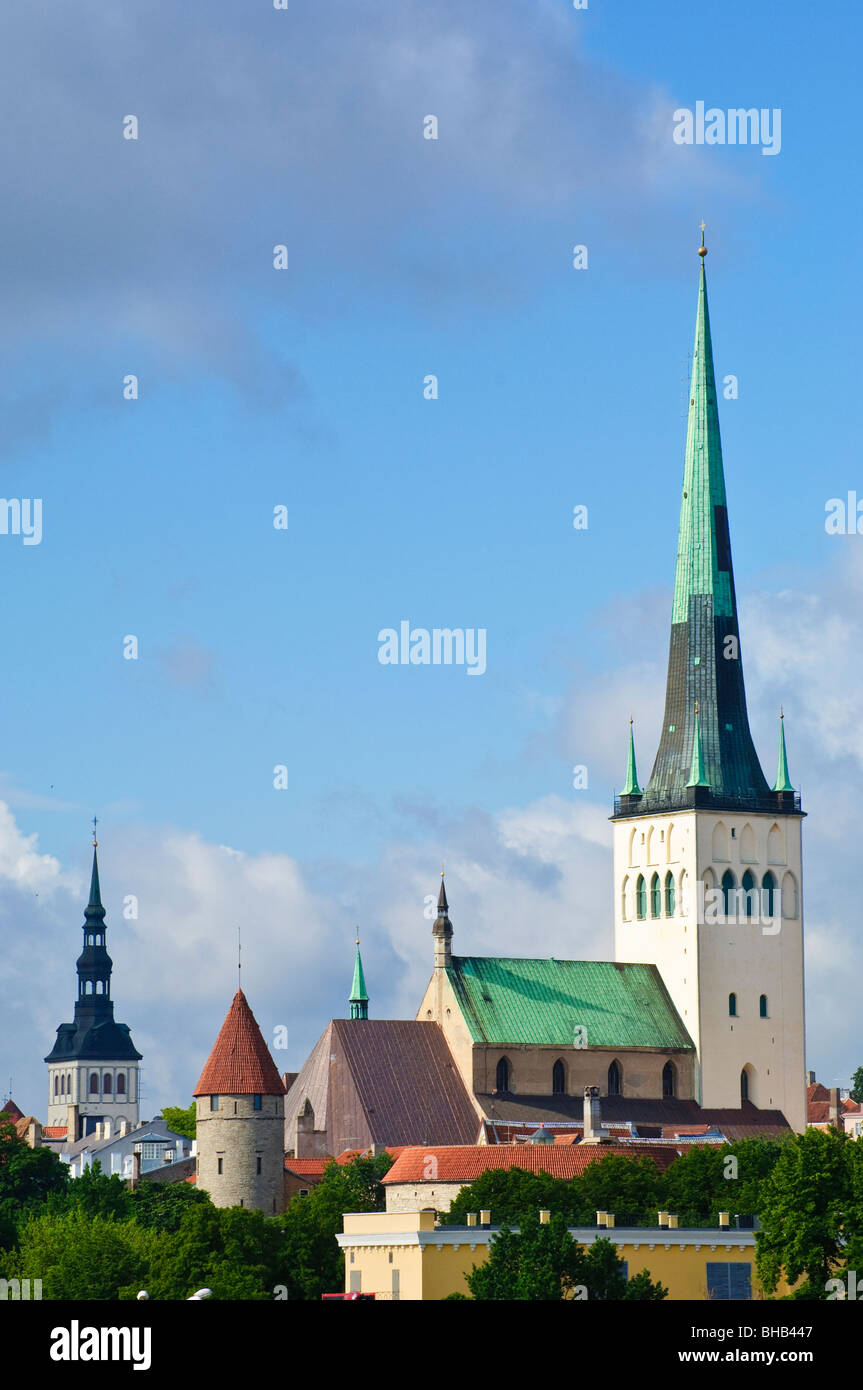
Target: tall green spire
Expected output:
[704,664]
[359,1000]
[632,788]
[783,781]
[696,770]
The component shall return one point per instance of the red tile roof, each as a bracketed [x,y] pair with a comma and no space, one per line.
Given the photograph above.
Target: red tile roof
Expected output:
[465,1162]
[240,1063]
[54,1131]
[307,1167]
[11,1112]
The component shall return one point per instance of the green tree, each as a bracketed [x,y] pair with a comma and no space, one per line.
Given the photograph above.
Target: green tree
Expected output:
[857,1085]
[179,1120]
[96,1194]
[310,1224]
[27,1177]
[543,1263]
[630,1187]
[79,1256]
[512,1194]
[161,1205]
[808,1203]
[237,1253]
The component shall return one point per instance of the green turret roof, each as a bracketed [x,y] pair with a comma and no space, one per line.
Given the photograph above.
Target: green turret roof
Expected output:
[632,788]
[783,781]
[359,1000]
[704,664]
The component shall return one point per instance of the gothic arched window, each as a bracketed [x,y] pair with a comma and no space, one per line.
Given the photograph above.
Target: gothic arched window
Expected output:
[502,1077]
[669,894]
[728,892]
[744,1086]
[614,1079]
[640,898]
[749,892]
[768,894]
[655,897]
[56,1085]
[558,1079]
[668,1081]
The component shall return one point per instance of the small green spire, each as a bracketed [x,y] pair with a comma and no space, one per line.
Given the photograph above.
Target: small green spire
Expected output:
[783,781]
[696,774]
[632,788]
[359,1000]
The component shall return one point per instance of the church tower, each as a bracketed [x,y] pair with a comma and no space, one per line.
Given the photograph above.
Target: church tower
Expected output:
[240,1112]
[708,857]
[93,1066]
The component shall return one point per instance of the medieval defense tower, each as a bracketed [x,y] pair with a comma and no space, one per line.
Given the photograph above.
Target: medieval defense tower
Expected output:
[707,857]
[240,1111]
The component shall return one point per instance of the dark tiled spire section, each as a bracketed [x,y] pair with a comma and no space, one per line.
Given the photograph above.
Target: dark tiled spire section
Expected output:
[705,671]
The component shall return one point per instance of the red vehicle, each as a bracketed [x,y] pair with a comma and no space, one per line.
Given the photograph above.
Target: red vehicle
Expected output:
[344,1297]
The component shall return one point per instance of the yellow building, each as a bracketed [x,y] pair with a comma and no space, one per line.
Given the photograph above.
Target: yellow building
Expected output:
[403,1255]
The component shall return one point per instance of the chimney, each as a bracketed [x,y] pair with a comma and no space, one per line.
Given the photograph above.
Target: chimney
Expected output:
[34,1134]
[601,1217]
[485,1217]
[609,1220]
[724,1220]
[835,1109]
[593,1131]
[810,1078]
[663,1218]
[672,1222]
[471,1218]
[544,1216]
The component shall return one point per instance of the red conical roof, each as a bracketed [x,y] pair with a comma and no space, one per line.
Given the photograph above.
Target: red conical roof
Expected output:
[240,1063]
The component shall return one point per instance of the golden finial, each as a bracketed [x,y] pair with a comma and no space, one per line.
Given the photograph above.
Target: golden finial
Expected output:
[95,841]
[781,712]
[358,936]
[441,870]
[630,719]
[702,250]
[696,706]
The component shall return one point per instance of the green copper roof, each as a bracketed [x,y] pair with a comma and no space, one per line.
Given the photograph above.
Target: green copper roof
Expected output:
[509,1002]
[358,988]
[704,660]
[699,543]
[632,788]
[696,772]
[783,781]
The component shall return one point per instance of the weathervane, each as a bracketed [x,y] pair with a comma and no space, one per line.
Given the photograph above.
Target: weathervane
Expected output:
[95,841]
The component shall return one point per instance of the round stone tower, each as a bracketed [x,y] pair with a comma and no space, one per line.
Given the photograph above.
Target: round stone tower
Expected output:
[240,1109]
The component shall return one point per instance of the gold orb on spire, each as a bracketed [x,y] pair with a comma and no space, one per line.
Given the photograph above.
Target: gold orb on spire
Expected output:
[702,250]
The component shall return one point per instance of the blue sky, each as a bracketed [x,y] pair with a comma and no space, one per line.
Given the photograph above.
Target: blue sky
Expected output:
[305,387]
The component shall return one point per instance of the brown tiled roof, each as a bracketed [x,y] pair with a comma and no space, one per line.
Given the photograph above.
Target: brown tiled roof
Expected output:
[467,1162]
[11,1112]
[307,1167]
[734,1124]
[54,1131]
[240,1063]
[383,1081]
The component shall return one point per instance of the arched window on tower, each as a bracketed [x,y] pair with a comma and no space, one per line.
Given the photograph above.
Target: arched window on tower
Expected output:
[762,1006]
[669,894]
[88,988]
[640,898]
[728,893]
[502,1076]
[62,1085]
[94,1083]
[655,897]
[624,899]
[106,1086]
[121,1084]
[99,987]
[769,896]
[732,1006]
[669,1081]
[558,1079]
[615,1079]
[744,1086]
[749,893]
[56,1084]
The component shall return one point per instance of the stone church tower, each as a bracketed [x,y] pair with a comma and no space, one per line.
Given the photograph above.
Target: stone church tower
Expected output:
[240,1111]
[707,858]
[93,1065]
